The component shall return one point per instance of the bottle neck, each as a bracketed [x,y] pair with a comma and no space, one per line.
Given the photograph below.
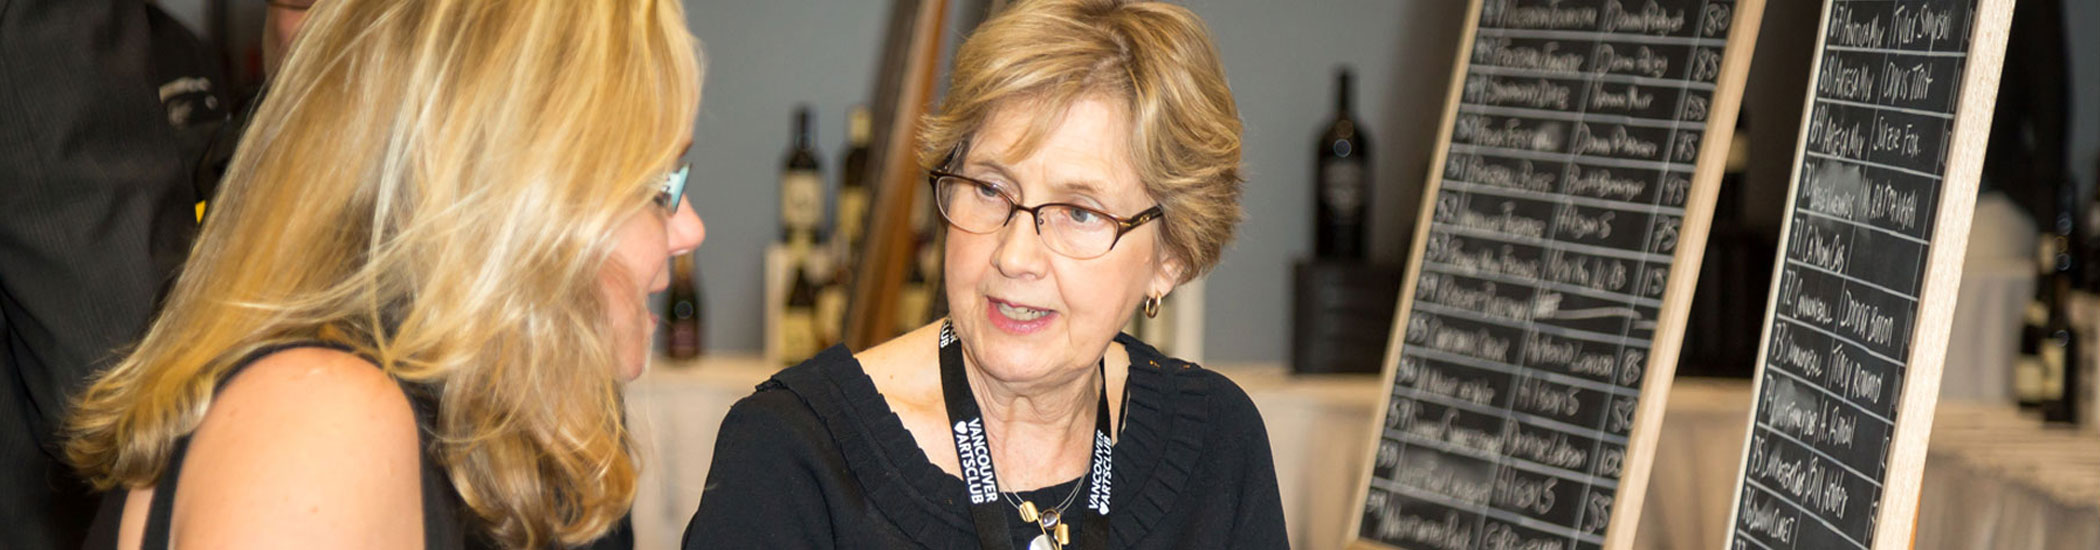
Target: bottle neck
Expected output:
[802,139]
[1343,104]
[858,128]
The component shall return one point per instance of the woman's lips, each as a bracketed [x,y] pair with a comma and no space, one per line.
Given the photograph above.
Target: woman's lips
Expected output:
[1003,315]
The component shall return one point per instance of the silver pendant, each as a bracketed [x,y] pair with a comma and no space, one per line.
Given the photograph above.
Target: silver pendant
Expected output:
[1042,542]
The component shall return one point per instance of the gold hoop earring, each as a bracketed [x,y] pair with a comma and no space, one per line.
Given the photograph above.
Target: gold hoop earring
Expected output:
[1151,307]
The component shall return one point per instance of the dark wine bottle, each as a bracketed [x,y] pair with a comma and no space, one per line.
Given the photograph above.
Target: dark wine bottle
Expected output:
[801,223]
[853,190]
[2060,349]
[1341,181]
[798,320]
[801,185]
[684,310]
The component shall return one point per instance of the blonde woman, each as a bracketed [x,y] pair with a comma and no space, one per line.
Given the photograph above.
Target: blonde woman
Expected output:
[407,323]
[1086,160]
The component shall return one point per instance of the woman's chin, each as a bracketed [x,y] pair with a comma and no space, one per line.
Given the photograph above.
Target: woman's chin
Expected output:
[632,366]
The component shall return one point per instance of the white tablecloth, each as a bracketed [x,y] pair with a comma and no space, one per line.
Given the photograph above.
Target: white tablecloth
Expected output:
[1993,480]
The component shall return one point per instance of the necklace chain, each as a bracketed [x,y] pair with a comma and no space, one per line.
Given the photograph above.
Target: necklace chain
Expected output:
[1014,499]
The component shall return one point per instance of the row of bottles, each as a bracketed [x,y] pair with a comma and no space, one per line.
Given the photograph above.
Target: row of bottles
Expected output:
[819,259]
[2048,375]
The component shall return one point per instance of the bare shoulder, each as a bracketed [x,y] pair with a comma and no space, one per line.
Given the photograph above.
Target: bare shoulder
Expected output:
[905,365]
[305,445]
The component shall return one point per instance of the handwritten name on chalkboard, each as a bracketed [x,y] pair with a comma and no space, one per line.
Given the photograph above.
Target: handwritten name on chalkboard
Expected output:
[1847,303]
[1558,208]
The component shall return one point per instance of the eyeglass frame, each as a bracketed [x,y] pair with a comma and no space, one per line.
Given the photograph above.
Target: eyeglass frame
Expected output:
[1123,225]
[672,191]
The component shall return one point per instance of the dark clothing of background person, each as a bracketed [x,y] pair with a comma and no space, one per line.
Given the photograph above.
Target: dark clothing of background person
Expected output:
[196,96]
[95,214]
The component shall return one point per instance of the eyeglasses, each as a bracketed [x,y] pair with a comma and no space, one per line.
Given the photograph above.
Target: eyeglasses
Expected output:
[294,5]
[672,189]
[1072,230]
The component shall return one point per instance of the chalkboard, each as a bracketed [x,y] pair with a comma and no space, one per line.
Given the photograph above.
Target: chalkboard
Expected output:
[1877,220]
[1563,223]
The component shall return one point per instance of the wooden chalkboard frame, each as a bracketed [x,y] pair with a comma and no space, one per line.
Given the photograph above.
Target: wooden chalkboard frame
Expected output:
[1662,359]
[1977,95]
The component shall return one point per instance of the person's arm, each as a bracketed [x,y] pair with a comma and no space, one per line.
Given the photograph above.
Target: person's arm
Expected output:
[1258,519]
[764,489]
[308,448]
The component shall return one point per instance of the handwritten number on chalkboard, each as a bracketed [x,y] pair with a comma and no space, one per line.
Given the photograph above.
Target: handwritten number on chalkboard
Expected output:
[1397,413]
[1675,189]
[1621,415]
[1598,516]
[1664,241]
[1695,108]
[1447,208]
[1388,453]
[1706,65]
[1717,20]
[1630,367]
[1654,280]
[1687,149]
[1610,461]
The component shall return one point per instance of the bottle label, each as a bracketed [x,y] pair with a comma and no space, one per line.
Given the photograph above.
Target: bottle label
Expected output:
[831,313]
[853,210]
[798,338]
[801,200]
[1342,188]
[685,340]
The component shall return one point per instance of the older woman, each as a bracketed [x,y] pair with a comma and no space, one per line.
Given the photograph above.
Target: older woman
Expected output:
[407,321]
[1087,162]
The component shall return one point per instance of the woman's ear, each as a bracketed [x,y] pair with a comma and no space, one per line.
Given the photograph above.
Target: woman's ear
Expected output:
[1166,276]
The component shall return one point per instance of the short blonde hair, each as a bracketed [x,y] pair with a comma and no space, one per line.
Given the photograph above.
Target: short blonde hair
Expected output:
[1156,59]
[437,185]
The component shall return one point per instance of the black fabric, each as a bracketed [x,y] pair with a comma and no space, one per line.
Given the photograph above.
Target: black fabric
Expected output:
[94,214]
[817,459]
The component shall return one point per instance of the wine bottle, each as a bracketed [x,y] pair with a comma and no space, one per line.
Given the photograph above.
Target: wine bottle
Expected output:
[683,311]
[1341,180]
[2029,384]
[801,220]
[829,321]
[915,298]
[853,190]
[801,185]
[798,319]
[2060,350]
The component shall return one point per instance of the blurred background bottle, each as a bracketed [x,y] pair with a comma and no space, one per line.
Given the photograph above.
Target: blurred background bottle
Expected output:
[684,311]
[1341,180]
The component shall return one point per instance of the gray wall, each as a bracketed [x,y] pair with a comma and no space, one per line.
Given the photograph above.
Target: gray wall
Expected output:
[763,58]
[1279,56]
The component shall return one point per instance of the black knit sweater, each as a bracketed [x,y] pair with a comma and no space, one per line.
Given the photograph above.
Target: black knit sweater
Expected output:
[816,459]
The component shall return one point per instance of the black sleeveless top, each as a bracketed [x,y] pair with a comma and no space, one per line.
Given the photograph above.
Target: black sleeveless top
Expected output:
[445,517]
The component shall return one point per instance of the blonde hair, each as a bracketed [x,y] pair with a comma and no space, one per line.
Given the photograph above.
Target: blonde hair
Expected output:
[436,184]
[1157,59]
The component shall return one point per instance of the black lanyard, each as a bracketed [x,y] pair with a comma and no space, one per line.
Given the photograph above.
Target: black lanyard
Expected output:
[988,507]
